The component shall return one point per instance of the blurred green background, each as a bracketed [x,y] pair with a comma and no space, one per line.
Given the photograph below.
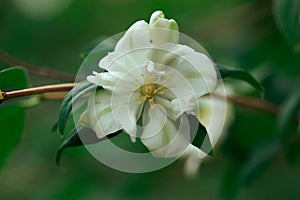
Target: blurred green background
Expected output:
[237,33]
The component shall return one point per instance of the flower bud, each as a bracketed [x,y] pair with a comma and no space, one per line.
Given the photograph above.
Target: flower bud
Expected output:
[163,30]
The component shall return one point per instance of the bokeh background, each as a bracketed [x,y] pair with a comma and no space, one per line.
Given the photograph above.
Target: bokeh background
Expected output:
[237,33]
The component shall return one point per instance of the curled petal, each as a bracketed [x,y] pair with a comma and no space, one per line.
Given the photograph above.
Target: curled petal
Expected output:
[215,114]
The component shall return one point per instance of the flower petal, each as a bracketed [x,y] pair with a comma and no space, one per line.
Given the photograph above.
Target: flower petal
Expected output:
[169,52]
[104,79]
[198,69]
[194,157]
[215,114]
[163,136]
[98,115]
[126,112]
[120,63]
[137,36]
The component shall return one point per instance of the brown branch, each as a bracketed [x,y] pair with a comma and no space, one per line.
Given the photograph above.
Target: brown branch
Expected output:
[248,102]
[54,95]
[36,90]
[54,92]
[8,59]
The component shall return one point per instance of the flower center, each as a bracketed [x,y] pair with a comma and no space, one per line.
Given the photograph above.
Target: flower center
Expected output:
[149,89]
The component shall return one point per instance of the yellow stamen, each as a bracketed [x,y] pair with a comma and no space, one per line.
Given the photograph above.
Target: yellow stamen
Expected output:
[162,92]
[153,106]
[168,78]
[148,89]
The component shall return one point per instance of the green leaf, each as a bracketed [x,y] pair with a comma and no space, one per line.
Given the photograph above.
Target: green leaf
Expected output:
[231,181]
[12,122]
[202,140]
[74,140]
[240,75]
[287,13]
[66,106]
[259,159]
[287,113]
[13,78]
[12,118]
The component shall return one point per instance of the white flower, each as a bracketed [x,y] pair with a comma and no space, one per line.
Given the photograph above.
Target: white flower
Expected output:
[152,77]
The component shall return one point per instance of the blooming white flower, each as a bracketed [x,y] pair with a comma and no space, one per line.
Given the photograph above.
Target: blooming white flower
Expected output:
[149,76]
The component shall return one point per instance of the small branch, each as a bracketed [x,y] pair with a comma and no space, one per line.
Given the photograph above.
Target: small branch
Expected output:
[5,57]
[36,90]
[54,95]
[247,102]
[254,104]
[54,92]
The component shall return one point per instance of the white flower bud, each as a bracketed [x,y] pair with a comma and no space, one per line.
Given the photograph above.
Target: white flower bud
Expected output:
[163,30]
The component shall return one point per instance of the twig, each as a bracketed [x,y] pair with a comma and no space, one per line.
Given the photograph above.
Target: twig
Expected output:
[54,92]
[253,103]
[36,90]
[5,57]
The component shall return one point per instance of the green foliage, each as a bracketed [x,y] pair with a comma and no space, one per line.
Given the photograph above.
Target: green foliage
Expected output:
[12,122]
[12,118]
[242,75]
[237,33]
[80,136]
[66,106]
[289,113]
[17,74]
[287,13]
[260,157]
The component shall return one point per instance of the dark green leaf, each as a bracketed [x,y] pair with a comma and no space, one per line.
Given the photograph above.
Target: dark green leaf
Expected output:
[12,123]
[231,182]
[287,13]
[80,136]
[12,116]
[13,78]
[71,97]
[288,113]
[240,75]
[202,140]
[124,142]
[259,159]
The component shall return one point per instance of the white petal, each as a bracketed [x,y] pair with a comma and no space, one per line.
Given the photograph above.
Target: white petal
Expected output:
[104,79]
[194,158]
[174,107]
[163,136]
[200,72]
[181,88]
[98,115]
[215,114]
[169,52]
[126,112]
[120,63]
[137,36]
